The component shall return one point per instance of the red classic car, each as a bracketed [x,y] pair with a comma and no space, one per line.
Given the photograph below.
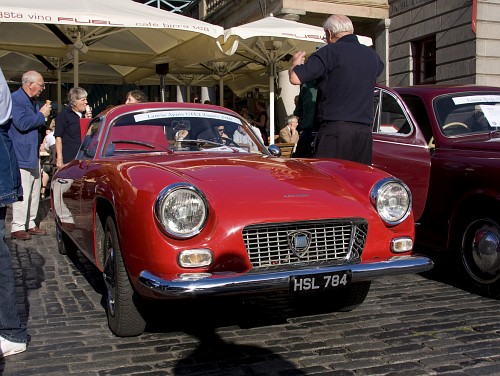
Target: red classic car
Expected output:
[181,200]
[444,143]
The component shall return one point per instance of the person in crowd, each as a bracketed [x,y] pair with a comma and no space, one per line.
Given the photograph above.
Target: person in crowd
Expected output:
[135,96]
[305,110]
[345,72]
[241,138]
[49,145]
[27,117]
[215,134]
[289,132]
[221,131]
[245,114]
[13,335]
[261,120]
[67,131]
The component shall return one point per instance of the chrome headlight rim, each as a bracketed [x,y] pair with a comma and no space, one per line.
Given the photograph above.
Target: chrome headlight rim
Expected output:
[375,194]
[165,194]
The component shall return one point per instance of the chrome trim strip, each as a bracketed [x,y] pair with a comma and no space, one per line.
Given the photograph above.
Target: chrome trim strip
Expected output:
[399,143]
[273,280]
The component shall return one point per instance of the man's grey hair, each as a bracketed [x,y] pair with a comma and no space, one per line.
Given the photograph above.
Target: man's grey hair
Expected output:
[30,76]
[290,118]
[338,23]
[75,94]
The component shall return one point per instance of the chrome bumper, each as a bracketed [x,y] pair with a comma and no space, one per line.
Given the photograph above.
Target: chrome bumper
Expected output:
[273,280]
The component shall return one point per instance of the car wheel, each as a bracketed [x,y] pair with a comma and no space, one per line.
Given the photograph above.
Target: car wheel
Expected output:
[342,300]
[352,297]
[65,245]
[124,319]
[479,252]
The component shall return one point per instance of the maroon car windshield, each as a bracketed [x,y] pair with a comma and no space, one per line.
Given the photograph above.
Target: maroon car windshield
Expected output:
[469,112]
[171,130]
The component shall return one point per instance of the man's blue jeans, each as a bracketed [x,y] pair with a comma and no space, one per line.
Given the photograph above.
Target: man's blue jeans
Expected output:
[10,324]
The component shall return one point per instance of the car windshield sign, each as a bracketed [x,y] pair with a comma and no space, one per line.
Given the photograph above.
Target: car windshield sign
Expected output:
[476,99]
[184,114]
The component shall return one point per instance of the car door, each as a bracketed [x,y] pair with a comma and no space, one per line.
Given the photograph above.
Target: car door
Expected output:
[399,146]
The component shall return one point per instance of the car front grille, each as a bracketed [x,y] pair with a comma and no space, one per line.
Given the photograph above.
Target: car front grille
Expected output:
[279,244]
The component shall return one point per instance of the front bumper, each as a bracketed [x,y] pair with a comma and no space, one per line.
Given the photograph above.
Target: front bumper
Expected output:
[272,280]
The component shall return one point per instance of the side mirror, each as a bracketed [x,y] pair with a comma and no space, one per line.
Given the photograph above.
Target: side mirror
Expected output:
[274,150]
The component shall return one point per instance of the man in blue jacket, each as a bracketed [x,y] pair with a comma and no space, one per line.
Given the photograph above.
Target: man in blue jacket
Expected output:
[23,130]
[13,336]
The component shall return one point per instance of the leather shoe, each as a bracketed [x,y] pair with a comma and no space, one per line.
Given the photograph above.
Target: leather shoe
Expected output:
[21,235]
[36,231]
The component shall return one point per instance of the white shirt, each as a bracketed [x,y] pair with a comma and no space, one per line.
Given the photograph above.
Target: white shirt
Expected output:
[49,140]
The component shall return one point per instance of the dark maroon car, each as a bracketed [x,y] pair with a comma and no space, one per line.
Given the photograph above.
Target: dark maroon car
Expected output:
[444,142]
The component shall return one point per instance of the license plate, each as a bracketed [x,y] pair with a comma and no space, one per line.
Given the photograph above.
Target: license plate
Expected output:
[320,282]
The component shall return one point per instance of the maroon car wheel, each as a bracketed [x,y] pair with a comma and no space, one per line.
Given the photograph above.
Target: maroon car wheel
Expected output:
[480,254]
[124,318]
[65,245]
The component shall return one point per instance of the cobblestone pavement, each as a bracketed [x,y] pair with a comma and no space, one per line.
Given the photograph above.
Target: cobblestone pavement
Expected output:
[408,325]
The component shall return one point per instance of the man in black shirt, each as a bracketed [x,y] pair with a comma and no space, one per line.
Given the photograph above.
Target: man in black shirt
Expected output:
[345,72]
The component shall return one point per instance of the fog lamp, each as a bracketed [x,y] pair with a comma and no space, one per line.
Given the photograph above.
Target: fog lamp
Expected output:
[195,258]
[192,276]
[401,245]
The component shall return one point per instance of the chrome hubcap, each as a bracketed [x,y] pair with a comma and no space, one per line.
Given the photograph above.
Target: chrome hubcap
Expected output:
[481,251]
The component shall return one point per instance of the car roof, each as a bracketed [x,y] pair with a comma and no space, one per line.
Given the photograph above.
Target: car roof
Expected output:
[436,90]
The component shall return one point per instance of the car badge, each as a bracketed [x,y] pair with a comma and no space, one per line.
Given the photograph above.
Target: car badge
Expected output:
[299,242]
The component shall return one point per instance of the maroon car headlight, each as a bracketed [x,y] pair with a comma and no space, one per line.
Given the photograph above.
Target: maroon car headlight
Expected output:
[392,199]
[182,210]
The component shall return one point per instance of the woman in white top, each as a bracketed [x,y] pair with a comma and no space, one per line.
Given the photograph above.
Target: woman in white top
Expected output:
[48,141]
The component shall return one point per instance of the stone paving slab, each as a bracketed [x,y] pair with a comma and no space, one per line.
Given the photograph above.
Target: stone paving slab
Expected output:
[409,325]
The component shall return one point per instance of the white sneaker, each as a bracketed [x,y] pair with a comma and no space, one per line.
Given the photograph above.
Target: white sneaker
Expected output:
[10,348]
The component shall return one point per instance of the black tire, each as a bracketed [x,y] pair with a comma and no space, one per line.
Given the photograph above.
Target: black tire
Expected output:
[65,245]
[353,297]
[124,318]
[341,300]
[479,253]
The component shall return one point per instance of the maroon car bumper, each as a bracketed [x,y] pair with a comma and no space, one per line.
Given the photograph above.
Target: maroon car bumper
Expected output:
[206,284]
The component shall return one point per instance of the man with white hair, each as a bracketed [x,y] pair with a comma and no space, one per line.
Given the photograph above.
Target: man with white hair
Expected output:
[345,72]
[27,116]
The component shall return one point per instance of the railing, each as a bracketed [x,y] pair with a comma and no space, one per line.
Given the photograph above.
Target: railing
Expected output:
[203,9]
[214,5]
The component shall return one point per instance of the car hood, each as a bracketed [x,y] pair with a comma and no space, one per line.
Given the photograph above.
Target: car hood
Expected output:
[285,185]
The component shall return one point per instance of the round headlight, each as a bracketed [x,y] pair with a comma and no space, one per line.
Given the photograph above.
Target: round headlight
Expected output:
[392,199]
[182,210]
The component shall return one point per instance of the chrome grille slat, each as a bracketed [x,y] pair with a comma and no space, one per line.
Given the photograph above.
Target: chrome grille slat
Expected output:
[331,240]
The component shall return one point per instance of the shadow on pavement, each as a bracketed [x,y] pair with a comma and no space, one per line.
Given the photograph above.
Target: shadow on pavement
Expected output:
[29,275]
[214,356]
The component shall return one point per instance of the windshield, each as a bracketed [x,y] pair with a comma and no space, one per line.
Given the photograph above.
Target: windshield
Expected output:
[180,131]
[465,113]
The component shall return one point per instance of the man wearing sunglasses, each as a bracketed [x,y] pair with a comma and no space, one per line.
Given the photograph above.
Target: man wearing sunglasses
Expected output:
[27,116]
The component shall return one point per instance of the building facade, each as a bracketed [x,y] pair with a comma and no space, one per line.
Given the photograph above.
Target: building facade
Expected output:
[444,42]
[421,41]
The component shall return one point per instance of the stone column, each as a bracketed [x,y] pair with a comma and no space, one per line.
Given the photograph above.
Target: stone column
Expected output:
[208,93]
[181,93]
[286,101]
[382,48]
